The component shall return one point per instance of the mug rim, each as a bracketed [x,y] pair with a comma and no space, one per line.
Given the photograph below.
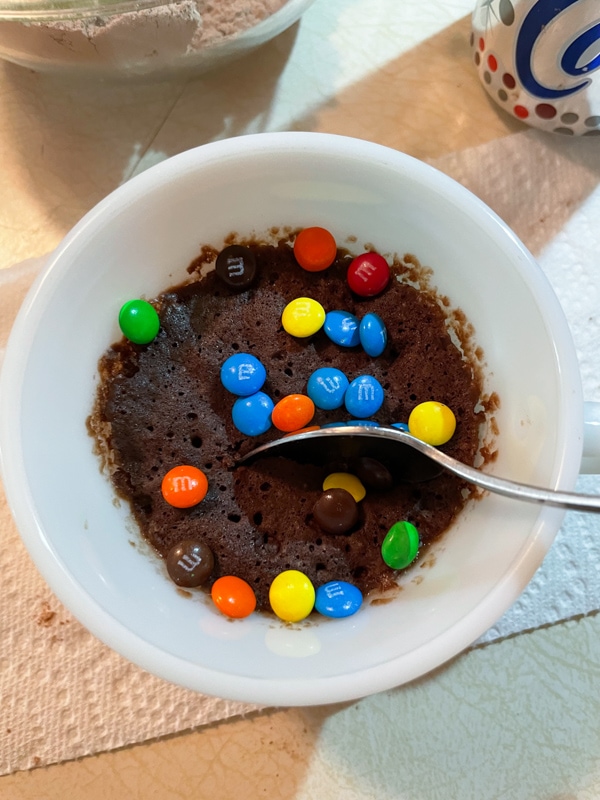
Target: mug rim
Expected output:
[169,666]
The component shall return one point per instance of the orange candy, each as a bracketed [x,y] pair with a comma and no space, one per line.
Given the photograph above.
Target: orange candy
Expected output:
[293,412]
[184,486]
[315,249]
[233,597]
[304,430]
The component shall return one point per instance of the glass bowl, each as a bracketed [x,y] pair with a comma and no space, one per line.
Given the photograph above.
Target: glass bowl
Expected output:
[138,37]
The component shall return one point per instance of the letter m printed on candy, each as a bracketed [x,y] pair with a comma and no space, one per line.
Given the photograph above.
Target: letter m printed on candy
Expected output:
[245,372]
[189,563]
[366,392]
[330,384]
[364,271]
[235,266]
[182,483]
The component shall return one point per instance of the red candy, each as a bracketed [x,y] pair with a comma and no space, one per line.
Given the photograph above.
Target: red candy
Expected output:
[368,274]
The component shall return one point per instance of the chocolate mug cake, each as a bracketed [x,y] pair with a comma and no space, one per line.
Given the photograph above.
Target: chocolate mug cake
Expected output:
[163,404]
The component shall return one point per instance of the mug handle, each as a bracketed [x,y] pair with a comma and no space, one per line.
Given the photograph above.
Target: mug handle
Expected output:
[590,461]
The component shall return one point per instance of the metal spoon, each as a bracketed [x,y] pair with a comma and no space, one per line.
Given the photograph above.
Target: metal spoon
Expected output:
[407,458]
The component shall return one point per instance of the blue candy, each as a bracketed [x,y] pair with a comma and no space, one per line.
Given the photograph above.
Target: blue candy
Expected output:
[364,397]
[334,425]
[342,328]
[338,599]
[402,426]
[252,415]
[373,334]
[365,423]
[327,387]
[243,374]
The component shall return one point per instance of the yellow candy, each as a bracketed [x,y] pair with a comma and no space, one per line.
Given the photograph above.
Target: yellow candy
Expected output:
[292,596]
[303,317]
[344,480]
[432,422]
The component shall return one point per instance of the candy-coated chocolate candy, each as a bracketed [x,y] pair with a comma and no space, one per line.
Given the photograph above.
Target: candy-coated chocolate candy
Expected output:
[139,321]
[342,328]
[344,480]
[364,423]
[233,596]
[364,396]
[236,266]
[372,472]
[338,599]
[368,274]
[252,415]
[292,595]
[373,334]
[293,412]
[302,317]
[326,388]
[401,545]
[243,374]
[334,425]
[190,563]
[315,249]
[184,486]
[402,426]
[336,511]
[308,429]
[432,422]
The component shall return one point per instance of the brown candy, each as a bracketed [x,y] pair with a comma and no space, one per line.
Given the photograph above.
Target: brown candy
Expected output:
[372,473]
[336,511]
[236,266]
[190,563]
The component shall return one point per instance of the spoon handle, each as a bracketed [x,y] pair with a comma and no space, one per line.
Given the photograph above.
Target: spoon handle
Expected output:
[412,456]
[572,501]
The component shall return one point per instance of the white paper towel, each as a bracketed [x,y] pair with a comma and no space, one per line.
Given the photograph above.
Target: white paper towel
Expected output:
[547,188]
[63,694]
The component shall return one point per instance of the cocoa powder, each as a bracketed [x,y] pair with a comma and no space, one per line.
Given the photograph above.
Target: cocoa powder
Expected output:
[143,40]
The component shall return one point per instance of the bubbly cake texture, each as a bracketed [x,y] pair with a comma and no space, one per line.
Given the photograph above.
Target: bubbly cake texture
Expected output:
[163,404]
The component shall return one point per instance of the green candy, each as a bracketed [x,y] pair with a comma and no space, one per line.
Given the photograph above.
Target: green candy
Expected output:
[401,545]
[139,321]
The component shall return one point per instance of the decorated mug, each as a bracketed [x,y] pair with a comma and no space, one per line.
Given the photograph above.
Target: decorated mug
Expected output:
[540,61]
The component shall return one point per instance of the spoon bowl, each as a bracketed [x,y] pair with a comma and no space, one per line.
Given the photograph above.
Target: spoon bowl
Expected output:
[408,459]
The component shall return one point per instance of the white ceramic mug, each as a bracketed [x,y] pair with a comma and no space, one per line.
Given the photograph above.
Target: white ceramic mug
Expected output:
[138,241]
